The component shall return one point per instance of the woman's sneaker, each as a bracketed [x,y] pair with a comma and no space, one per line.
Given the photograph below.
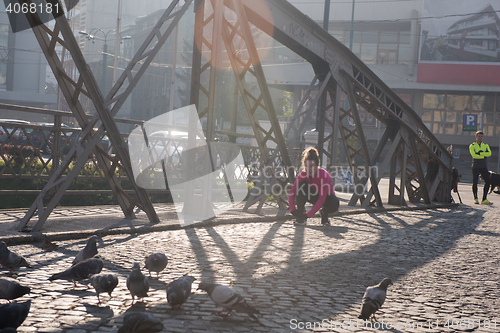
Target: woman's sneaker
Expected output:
[300,217]
[324,217]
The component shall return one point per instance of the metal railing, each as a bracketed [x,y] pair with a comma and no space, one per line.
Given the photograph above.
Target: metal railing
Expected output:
[33,151]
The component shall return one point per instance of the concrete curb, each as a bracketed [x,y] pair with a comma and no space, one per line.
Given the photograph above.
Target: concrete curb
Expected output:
[68,235]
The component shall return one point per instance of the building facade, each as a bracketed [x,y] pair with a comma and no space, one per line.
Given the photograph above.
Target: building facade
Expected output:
[24,79]
[442,58]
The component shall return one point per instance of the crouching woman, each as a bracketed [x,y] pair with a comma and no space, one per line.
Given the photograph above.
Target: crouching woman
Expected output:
[314,185]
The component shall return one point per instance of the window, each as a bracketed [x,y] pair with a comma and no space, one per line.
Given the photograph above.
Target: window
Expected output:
[488,130]
[369,47]
[404,54]
[438,115]
[376,43]
[458,102]
[386,57]
[4,53]
[451,117]
[356,36]
[370,37]
[449,129]
[483,102]
[427,116]
[489,117]
[443,112]
[437,128]
[389,37]
[404,37]
[497,123]
[369,53]
[477,43]
[433,101]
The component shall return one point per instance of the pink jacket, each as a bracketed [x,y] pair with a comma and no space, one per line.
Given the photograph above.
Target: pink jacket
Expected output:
[321,184]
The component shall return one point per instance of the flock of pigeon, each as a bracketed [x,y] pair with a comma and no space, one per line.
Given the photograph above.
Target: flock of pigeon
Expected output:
[87,267]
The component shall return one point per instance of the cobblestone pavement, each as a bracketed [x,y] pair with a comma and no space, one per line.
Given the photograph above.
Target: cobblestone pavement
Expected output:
[443,262]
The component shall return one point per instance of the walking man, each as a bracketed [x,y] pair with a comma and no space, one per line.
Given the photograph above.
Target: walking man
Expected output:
[480,151]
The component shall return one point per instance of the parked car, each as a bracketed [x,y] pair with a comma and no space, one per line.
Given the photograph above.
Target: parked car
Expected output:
[43,138]
[10,131]
[70,138]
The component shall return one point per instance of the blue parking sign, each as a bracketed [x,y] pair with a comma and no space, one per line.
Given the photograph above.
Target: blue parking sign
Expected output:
[470,122]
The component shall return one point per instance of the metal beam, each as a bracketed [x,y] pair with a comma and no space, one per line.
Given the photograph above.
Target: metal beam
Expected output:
[72,90]
[47,39]
[365,152]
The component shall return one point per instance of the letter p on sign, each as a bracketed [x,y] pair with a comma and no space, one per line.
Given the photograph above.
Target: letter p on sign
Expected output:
[470,122]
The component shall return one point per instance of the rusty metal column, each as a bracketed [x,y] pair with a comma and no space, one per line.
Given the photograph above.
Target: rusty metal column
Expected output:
[321,115]
[72,91]
[364,148]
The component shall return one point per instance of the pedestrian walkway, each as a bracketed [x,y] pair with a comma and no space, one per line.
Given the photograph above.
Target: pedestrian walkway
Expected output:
[79,222]
[443,263]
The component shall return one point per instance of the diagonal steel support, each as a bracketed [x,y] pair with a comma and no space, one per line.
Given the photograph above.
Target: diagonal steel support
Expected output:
[265,181]
[399,157]
[89,140]
[302,115]
[274,133]
[332,125]
[391,130]
[365,153]
[226,24]
[420,178]
[71,91]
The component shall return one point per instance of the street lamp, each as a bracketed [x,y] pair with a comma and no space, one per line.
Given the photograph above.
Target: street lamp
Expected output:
[92,35]
[352,26]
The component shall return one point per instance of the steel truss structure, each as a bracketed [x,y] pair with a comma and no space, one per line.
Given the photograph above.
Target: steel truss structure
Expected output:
[88,142]
[224,33]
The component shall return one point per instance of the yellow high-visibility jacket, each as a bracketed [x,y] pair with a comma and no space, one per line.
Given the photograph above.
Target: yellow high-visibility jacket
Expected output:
[479,153]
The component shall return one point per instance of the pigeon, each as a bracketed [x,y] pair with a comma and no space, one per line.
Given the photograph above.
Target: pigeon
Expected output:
[228,298]
[137,283]
[103,283]
[8,330]
[373,299]
[140,322]
[11,289]
[80,271]
[179,290]
[88,251]
[13,314]
[156,262]
[10,259]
